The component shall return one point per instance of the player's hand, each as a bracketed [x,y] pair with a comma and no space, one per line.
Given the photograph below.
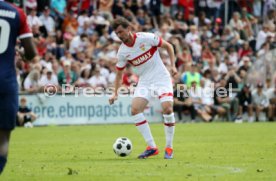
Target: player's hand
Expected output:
[113,99]
[174,71]
[20,52]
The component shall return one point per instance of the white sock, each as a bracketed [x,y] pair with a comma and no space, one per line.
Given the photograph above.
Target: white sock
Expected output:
[143,127]
[169,122]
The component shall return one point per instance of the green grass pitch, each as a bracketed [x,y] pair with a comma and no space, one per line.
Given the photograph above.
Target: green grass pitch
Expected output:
[217,151]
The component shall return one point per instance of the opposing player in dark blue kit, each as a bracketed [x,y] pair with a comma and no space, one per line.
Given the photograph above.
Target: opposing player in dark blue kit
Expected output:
[13,24]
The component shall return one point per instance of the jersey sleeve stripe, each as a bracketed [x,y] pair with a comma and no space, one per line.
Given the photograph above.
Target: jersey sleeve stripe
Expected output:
[26,35]
[160,42]
[120,68]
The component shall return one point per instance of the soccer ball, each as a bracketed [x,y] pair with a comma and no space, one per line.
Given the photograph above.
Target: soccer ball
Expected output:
[122,147]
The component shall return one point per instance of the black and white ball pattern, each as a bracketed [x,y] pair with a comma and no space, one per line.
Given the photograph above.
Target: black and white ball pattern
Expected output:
[122,147]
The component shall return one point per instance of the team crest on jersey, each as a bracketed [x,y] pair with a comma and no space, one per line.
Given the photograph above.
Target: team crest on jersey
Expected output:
[142,47]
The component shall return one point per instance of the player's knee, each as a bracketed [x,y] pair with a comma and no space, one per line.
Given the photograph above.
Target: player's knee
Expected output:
[168,110]
[135,111]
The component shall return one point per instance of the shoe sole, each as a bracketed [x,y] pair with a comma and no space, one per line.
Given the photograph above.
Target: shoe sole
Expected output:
[171,157]
[168,158]
[149,156]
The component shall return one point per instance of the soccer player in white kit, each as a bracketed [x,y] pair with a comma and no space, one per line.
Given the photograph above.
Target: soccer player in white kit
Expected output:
[141,51]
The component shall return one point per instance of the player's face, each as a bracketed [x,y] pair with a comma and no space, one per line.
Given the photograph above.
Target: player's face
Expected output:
[194,85]
[123,33]
[23,103]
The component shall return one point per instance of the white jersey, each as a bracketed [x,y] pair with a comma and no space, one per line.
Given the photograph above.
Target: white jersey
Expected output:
[143,54]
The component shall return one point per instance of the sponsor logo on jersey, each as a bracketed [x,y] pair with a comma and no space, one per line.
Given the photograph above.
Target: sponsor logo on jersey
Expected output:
[8,14]
[144,57]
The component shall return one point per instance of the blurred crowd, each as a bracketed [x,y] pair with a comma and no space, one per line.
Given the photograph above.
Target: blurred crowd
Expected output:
[216,43]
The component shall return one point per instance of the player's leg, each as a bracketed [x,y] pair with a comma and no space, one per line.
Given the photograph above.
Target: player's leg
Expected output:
[270,112]
[169,126]
[8,112]
[204,115]
[250,113]
[20,119]
[138,106]
[139,103]
[33,117]
[164,91]
[192,111]
[240,109]
[258,111]
[4,145]
[179,110]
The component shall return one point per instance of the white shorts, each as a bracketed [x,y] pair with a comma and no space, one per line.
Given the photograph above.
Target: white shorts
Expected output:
[161,89]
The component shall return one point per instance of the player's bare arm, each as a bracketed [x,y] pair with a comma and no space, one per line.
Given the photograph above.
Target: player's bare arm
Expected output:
[29,48]
[117,84]
[170,51]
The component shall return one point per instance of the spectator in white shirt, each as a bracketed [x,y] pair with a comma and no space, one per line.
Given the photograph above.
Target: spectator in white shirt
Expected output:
[31,82]
[207,94]
[261,37]
[83,18]
[196,94]
[164,32]
[97,19]
[49,79]
[85,75]
[97,80]
[236,22]
[196,49]
[67,57]
[33,20]
[201,20]
[192,36]
[78,44]
[260,101]
[112,75]
[223,66]
[47,20]
[265,48]
[233,56]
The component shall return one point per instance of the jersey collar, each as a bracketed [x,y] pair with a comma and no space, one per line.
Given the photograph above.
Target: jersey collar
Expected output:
[133,42]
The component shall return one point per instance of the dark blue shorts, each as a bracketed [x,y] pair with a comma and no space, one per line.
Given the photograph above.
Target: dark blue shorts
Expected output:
[8,111]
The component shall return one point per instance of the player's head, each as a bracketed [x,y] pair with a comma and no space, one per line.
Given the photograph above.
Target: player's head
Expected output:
[222,82]
[193,85]
[121,27]
[49,73]
[260,86]
[23,101]
[194,67]
[246,88]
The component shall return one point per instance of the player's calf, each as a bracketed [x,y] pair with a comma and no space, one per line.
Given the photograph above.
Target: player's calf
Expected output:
[169,124]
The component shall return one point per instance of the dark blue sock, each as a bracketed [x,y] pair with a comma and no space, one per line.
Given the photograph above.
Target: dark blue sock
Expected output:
[3,161]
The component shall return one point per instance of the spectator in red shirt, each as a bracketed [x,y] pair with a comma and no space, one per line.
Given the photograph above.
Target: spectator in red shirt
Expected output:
[207,56]
[245,50]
